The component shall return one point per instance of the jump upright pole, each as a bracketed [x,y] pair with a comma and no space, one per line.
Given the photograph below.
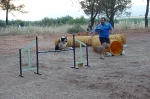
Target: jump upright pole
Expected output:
[37,57]
[20,63]
[87,55]
[74,52]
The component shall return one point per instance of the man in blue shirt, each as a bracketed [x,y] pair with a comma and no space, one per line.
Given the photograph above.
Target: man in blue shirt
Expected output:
[103,30]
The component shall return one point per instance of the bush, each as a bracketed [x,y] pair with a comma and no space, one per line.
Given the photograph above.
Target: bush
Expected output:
[22,23]
[47,21]
[80,20]
[2,23]
[75,29]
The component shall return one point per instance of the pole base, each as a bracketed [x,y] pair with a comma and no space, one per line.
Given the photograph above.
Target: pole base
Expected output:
[87,65]
[75,67]
[37,73]
[20,75]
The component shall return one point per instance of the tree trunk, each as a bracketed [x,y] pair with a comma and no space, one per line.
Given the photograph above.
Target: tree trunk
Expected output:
[93,19]
[112,14]
[93,15]
[146,14]
[111,20]
[7,17]
[7,9]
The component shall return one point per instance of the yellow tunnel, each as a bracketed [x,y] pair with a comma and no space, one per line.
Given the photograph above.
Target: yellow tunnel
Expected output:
[116,47]
[116,42]
[84,39]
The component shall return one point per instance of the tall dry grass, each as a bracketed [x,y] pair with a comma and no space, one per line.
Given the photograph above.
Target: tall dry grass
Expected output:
[31,30]
[124,25]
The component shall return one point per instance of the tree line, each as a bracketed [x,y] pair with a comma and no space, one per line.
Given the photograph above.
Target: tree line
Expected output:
[93,8]
[65,20]
[49,21]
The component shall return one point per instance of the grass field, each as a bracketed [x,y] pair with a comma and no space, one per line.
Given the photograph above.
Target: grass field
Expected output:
[121,24]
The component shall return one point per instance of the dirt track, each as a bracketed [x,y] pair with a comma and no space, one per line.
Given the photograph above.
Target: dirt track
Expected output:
[118,77]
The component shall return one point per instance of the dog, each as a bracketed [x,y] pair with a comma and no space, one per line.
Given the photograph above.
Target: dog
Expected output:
[61,44]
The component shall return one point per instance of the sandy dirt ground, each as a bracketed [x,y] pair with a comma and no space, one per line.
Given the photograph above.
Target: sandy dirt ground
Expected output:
[117,77]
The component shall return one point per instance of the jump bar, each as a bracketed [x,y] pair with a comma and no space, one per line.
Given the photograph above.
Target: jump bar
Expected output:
[46,51]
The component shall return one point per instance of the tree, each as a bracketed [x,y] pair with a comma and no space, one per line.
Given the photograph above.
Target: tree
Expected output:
[8,6]
[116,8]
[109,8]
[146,14]
[92,8]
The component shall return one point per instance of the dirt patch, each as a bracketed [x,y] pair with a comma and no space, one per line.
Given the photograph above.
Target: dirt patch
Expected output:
[117,77]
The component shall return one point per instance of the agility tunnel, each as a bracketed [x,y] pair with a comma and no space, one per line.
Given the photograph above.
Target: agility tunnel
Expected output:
[84,39]
[115,37]
[116,47]
[116,42]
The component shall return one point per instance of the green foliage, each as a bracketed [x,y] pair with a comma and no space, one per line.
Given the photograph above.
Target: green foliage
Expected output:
[70,21]
[47,22]
[2,23]
[80,20]
[75,29]
[22,23]
[64,20]
[116,21]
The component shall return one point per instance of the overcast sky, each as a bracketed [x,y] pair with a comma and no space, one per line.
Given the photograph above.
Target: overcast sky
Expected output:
[38,9]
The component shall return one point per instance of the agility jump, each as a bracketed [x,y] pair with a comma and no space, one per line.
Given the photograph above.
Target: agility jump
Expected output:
[53,50]
[29,64]
[80,63]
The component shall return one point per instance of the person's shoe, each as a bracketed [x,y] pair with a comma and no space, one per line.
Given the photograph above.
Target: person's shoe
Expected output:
[102,57]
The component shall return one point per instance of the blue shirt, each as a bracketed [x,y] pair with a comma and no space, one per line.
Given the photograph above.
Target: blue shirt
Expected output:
[103,29]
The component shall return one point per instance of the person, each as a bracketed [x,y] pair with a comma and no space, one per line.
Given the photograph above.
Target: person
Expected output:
[103,30]
[98,23]
[89,28]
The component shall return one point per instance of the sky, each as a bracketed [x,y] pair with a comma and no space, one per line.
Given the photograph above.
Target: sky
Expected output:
[38,9]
